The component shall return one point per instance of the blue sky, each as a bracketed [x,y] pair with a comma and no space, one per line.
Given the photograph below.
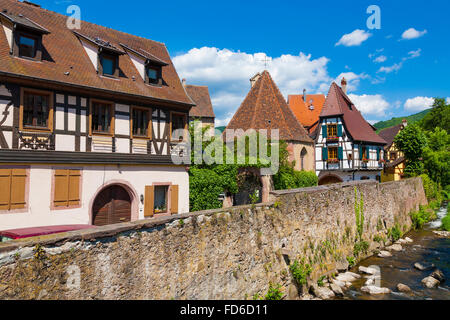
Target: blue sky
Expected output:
[394,71]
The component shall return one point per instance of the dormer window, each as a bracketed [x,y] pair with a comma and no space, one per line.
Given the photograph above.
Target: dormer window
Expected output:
[148,65]
[107,60]
[108,65]
[27,46]
[25,36]
[153,75]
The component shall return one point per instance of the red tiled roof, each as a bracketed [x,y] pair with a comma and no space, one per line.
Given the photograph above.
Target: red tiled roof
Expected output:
[265,108]
[200,95]
[339,104]
[65,53]
[306,115]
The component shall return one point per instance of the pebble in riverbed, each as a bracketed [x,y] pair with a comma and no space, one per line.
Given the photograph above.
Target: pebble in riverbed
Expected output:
[430,282]
[423,267]
[445,234]
[403,288]
[384,254]
[395,247]
[374,290]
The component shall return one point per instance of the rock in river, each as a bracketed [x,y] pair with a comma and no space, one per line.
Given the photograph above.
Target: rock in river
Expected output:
[374,290]
[323,293]
[423,266]
[395,247]
[337,289]
[368,270]
[438,275]
[384,254]
[430,282]
[403,288]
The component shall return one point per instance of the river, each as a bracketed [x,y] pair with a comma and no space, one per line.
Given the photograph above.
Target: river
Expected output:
[428,248]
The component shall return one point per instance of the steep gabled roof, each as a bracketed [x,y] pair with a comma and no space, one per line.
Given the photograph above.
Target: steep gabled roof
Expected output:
[389,134]
[306,114]
[265,108]
[339,104]
[200,95]
[66,62]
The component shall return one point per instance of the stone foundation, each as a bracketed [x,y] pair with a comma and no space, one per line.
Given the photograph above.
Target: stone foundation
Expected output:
[229,253]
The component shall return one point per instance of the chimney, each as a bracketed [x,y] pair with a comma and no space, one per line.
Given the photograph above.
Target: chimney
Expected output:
[344,85]
[183,82]
[304,95]
[404,123]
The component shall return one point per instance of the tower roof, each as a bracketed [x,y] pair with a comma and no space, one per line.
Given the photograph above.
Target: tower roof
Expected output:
[265,108]
[339,104]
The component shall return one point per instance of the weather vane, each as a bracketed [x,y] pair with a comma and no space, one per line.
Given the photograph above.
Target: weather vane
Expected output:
[266,61]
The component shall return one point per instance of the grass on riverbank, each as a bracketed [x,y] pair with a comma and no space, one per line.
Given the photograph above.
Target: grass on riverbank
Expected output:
[425,214]
[446,222]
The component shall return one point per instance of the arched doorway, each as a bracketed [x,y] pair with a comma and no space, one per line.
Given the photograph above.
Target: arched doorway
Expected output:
[330,179]
[112,205]
[302,158]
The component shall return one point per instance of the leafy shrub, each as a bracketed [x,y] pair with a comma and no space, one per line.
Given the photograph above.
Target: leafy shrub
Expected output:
[300,271]
[395,233]
[288,178]
[446,222]
[360,247]
[274,293]
[351,261]
[431,188]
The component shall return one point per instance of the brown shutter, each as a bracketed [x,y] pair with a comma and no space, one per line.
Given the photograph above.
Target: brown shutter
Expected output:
[18,184]
[174,199]
[61,195]
[149,201]
[5,188]
[74,187]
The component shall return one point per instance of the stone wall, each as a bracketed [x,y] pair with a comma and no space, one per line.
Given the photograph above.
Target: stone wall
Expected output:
[222,254]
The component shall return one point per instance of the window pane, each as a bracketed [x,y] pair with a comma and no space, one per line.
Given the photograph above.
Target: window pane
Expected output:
[27,47]
[36,110]
[152,74]
[101,117]
[160,204]
[140,123]
[108,65]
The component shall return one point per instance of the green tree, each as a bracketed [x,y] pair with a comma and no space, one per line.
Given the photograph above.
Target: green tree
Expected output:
[438,117]
[412,142]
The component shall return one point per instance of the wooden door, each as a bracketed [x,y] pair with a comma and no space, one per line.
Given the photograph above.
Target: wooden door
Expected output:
[112,205]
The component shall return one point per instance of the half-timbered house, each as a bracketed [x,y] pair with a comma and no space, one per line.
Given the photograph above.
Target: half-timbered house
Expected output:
[347,146]
[86,122]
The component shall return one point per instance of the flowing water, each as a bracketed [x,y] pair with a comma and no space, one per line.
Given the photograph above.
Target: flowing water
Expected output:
[428,248]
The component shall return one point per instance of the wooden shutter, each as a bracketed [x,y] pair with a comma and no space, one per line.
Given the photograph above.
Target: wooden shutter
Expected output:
[360,152]
[74,188]
[324,154]
[61,195]
[149,206]
[18,185]
[174,199]
[324,132]
[339,129]
[378,154]
[5,188]
[340,153]
[368,153]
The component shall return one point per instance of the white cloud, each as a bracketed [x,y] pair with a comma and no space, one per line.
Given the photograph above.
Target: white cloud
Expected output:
[370,104]
[395,67]
[414,54]
[418,103]
[412,33]
[227,74]
[448,100]
[223,122]
[380,59]
[354,39]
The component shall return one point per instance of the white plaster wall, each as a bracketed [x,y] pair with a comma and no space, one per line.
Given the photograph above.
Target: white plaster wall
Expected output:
[8,34]
[93,178]
[91,51]
[122,125]
[59,98]
[82,144]
[59,125]
[122,145]
[139,63]
[72,115]
[64,142]
[8,138]
[9,119]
